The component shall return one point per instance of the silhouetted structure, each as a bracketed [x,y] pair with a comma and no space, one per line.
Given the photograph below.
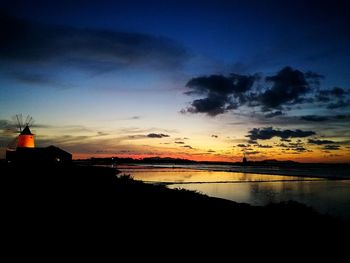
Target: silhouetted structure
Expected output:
[244,161]
[26,138]
[48,155]
[26,152]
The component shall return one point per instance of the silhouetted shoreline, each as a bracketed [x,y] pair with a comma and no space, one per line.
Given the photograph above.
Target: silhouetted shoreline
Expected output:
[274,167]
[94,197]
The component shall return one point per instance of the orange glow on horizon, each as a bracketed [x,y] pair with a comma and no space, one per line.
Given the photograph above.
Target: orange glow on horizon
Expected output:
[211,158]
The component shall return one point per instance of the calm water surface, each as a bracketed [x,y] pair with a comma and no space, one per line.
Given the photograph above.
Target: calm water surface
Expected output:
[326,196]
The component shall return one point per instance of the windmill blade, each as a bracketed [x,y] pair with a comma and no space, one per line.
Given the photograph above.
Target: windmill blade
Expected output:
[30,121]
[21,120]
[27,120]
[19,124]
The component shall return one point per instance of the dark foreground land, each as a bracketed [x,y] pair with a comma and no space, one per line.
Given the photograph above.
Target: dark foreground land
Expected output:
[81,201]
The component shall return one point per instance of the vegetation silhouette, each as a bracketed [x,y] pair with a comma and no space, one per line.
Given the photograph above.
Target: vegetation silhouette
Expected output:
[89,199]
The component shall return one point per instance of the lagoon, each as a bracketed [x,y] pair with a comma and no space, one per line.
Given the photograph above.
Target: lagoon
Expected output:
[325,195]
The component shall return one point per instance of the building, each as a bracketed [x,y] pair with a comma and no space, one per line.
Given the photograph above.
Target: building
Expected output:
[26,152]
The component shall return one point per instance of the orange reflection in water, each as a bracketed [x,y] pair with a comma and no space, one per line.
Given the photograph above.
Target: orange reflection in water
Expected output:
[184,175]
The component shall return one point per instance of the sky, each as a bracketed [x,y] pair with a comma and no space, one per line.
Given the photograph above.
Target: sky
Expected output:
[201,80]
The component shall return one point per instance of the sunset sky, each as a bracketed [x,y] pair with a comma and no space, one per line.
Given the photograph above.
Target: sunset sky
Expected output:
[202,80]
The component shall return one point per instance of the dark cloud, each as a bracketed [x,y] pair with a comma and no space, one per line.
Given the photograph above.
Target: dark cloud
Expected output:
[337,92]
[157,135]
[341,117]
[285,140]
[320,142]
[326,95]
[187,146]
[180,142]
[251,152]
[274,93]
[264,146]
[242,145]
[297,147]
[211,151]
[336,98]
[300,149]
[221,93]
[102,133]
[331,147]
[268,133]
[314,118]
[134,118]
[27,42]
[288,87]
[273,114]
[214,136]
[338,104]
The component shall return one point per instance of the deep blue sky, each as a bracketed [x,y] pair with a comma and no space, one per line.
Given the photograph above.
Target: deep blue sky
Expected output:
[301,33]
[112,61]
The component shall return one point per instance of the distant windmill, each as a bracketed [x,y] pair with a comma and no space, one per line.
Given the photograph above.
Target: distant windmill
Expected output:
[25,139]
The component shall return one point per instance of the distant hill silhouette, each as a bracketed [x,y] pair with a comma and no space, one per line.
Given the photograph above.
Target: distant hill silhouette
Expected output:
[169,160]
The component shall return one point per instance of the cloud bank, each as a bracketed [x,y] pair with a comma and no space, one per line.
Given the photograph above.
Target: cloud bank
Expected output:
[273,95]
[25,42]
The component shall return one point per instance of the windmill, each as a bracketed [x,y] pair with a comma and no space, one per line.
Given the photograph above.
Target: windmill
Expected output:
[23,150]
[25,139]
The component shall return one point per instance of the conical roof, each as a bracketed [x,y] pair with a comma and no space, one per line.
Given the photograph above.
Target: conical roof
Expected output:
[26,131]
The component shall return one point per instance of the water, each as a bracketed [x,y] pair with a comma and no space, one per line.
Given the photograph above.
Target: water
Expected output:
[326,196]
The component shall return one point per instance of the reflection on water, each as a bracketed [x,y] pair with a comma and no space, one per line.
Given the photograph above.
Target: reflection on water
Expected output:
[327,196]
[183,175]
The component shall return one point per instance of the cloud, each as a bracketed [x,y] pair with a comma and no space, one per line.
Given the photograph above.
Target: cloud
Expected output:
[268,133]
[221,93]
[338,92]
[331,147]
[274,114]
[285,140]
[26,42]
[264,146]
[5,124]
[252,152]
[157,135]
[214,136]
[179,142]
[320,142]
[342,117]
[314,118]
[300,149]
[134,118]
[339,104]
[187,146]
[336,97]
[326,95]
[288,87]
